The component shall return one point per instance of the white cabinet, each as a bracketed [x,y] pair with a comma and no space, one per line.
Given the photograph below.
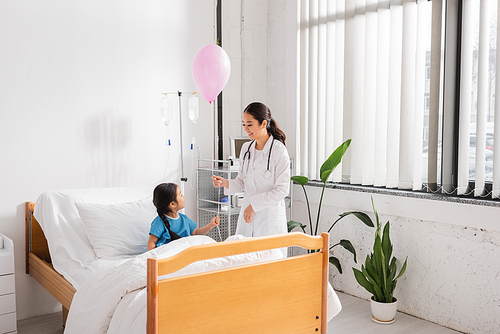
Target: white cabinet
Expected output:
[8,321]
[210,199]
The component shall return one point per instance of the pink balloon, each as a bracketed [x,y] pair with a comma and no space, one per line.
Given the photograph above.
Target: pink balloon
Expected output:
[211,69]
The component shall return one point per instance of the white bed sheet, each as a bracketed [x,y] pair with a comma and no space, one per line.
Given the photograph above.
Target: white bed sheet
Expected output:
[70,250]
[114,300]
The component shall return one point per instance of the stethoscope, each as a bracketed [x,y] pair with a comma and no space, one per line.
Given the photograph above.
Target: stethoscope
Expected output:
[268,173]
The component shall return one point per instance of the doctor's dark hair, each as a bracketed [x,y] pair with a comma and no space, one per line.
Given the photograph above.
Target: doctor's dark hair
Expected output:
[262,113]
[163,195]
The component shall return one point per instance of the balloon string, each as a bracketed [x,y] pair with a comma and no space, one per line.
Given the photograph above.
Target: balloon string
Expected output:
[218,215]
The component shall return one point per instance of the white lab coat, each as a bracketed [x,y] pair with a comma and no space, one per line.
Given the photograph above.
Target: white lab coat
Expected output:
[265,195]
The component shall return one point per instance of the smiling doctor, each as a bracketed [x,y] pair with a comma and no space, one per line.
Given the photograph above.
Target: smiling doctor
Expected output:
[264,175]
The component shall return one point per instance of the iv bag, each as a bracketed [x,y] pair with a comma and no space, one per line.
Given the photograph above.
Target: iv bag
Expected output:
[166,106]
[193,108]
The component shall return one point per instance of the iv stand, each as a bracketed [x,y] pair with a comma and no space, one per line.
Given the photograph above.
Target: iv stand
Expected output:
[183,178]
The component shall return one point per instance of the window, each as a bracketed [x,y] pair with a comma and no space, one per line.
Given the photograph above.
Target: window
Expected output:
[364,72]
[412,87]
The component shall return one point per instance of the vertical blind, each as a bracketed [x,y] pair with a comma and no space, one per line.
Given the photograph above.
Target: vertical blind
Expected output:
[362,75]
[412,83]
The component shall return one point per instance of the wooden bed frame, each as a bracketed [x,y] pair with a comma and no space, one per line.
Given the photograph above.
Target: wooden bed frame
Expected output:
[39,265]
[280,296]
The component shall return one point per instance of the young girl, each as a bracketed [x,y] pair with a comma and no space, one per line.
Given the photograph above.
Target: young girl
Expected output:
[170,224]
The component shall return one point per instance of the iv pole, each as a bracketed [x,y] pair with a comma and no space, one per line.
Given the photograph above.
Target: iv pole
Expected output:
[183,178]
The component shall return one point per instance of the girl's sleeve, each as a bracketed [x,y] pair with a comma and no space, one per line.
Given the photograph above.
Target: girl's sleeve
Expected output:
[281,187]
[192,225]
[156,229]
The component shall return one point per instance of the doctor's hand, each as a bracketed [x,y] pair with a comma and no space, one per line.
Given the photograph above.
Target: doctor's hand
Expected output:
[248,214]
[220,181]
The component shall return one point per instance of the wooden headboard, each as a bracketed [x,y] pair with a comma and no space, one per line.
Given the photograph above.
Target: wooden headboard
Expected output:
[39,264]
[36,242]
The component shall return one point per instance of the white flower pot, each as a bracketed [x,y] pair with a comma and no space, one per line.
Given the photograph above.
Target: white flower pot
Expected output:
[384,313]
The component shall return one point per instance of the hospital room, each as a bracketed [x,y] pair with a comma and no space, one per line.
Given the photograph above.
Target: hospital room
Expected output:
[287,137]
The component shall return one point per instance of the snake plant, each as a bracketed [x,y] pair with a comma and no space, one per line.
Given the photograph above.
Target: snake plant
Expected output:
[325,171]
[378,274]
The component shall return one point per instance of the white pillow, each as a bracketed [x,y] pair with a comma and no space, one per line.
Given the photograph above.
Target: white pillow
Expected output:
[118,229]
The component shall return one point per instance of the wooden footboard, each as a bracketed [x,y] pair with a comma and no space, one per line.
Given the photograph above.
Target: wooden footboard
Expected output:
[281,296]
[38,262]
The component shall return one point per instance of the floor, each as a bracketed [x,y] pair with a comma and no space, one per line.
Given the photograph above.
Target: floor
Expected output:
[354,318]
[47,324]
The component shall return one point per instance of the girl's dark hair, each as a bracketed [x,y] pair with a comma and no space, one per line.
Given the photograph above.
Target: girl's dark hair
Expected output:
[163,195]
[262,113]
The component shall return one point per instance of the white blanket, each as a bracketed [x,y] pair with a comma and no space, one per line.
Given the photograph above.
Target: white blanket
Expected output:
[114,300]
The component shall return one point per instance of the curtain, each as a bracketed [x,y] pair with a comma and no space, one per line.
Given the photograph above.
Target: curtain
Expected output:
[362,75]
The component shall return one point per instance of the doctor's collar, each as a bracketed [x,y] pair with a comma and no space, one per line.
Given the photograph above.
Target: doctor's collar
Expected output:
[267,145]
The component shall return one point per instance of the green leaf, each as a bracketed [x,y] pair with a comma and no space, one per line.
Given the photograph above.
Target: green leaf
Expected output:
[347,245]
[376,214]
[373,261]
[377,254]
[333,260]
[361,216]
[392,270]
[293,224]
[378,295]
[302,180]
[333,160]
[402,269]
[372,271]
[386,245]
[389,287]
[390,292]
[363,281]
[390,298]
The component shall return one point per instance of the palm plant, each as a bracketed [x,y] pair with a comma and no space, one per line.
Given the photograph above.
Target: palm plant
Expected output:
[325,171]
[378,275]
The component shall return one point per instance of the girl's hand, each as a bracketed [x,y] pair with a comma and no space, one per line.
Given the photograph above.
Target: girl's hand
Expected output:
[248,214]
[215,222]
[220,182]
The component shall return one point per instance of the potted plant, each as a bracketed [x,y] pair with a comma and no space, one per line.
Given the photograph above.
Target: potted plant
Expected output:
[378,275]
[325,171]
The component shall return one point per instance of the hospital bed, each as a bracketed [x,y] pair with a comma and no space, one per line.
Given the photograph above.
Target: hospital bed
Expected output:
[263,294]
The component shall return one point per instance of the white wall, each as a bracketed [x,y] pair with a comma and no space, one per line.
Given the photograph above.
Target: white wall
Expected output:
[81,84]
[453,249]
